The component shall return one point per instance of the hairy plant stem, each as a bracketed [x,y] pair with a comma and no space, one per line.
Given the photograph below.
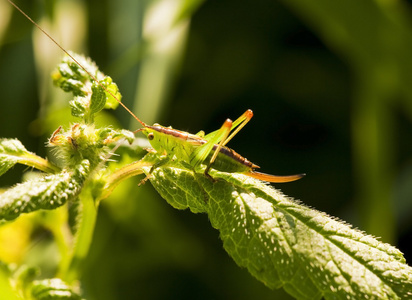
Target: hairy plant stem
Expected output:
[83,237]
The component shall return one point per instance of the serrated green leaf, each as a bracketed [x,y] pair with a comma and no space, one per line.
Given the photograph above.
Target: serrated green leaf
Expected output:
[284,243]
[78,106]
[53,289]
[67,80]
[70,77]
[114,135]
[98,98]
[128,135]
[48,192]
[12,152]
[111,103]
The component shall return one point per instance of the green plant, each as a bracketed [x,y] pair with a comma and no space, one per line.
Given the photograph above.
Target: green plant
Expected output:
[280,241]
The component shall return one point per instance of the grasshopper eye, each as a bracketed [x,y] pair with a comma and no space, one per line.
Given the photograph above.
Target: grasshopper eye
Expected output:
[150,136]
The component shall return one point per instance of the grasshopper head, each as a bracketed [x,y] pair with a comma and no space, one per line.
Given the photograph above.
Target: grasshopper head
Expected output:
[155,136]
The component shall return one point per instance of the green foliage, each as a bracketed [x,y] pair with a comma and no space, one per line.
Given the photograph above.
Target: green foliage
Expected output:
[284,243]
[12,152]
[280,241]
[53,289]
[378,53]
[83,150]
[70,77]
[46,289]
[48,192]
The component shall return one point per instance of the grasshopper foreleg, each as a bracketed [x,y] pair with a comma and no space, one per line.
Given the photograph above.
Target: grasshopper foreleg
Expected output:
[158,164]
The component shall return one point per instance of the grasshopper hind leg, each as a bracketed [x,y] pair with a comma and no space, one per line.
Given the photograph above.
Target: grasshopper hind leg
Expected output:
[223,133]
[222,136]
[218,139]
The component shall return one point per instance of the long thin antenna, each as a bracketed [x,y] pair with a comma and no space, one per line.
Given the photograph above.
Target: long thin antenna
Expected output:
[71,56]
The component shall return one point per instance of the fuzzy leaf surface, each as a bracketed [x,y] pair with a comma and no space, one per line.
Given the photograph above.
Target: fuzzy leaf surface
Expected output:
[12,152]
[70,77]
[53,289]
[285,244]
[98,99]
[48,192]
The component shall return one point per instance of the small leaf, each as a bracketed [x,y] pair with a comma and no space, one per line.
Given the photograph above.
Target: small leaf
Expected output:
[70,77]
[67,80]
[128,135]
[98,98]
[284,243]
[12,152]
[48,192]
[24,276]
[78,106]
[111,103]
[112,135]
[53,289]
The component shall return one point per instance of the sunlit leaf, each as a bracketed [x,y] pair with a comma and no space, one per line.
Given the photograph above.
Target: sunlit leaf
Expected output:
[98,98]
[48,192]
[53,289]
[12,152]
[283,243]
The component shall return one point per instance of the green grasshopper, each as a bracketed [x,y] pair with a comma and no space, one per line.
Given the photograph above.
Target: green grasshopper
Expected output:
[197,150]
[194,150]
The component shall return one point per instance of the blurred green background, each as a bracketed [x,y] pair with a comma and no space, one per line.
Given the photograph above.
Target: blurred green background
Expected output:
[330,83]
